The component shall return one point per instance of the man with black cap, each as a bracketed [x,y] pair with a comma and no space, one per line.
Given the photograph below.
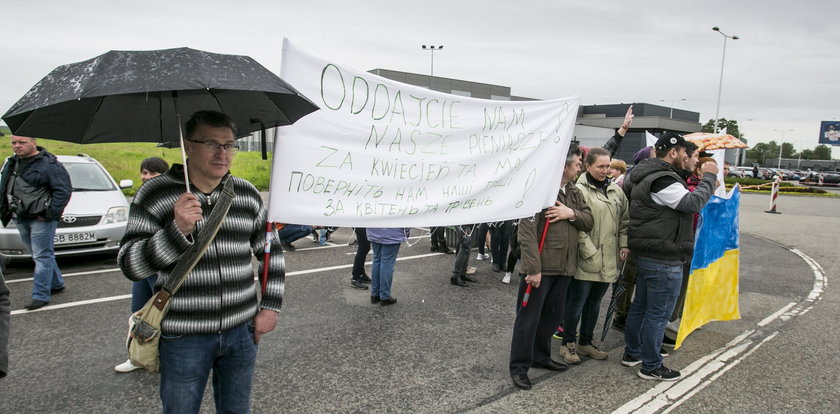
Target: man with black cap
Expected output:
[661,240]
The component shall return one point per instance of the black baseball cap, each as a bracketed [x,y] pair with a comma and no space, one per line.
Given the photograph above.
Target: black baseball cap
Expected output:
[670,140]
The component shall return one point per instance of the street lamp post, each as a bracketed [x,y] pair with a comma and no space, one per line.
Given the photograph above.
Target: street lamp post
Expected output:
[781,145]
[720,85]
[672,104]
[432,49]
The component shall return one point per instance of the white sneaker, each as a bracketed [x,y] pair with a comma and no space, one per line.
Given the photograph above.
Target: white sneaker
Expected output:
[126,366]
[673,326]
[487,256]
[479,257]
[506,278]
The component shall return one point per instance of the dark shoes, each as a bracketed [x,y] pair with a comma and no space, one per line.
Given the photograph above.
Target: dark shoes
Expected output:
[552,365]
[36,304]
[497,268]
[374,299]
[358,284]
[390,301]
[666,341]
[660,374]
[286,246]
[458,282]
[56,290]
[521,381]
[365,279]
[469,278]
[444,250]
[629,361]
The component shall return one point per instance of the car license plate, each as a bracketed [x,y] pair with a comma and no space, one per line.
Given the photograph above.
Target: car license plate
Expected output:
[70,238]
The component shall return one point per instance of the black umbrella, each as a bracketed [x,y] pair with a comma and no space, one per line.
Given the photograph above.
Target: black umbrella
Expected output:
[137,96]
[617,290]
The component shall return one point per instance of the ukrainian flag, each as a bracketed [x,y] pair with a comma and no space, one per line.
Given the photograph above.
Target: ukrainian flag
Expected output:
[712,293]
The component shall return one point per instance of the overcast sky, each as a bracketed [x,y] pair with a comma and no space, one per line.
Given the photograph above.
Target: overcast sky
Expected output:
[783,74]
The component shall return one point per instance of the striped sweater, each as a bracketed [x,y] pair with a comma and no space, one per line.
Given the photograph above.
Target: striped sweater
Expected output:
[220,293]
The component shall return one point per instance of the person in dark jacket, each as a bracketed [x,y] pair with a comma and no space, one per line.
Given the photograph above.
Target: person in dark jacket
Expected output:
[661,239]
[36,188]
[548,272]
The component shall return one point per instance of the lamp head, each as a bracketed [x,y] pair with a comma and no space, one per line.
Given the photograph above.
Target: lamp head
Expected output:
[735,37]
[717,29]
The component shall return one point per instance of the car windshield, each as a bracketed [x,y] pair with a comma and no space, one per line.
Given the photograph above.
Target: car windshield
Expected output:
[88,177]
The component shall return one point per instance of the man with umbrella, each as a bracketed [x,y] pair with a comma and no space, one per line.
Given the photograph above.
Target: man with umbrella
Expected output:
[36,188]
[215,320]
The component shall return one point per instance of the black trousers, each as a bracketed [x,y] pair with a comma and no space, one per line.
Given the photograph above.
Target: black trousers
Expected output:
[362,249]
[438,238]
[499,242]
[481,236]
[462,256]
[535,323]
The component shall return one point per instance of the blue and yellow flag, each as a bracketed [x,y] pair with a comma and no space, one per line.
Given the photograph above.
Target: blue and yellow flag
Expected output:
[712,293]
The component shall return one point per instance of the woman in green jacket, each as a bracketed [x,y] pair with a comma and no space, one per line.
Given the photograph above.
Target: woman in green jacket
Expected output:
[599,251]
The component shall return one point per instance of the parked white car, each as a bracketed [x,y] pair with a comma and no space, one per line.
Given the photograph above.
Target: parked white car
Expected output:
[94,220]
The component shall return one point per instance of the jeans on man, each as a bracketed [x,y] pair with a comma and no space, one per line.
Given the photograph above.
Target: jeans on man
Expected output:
[462,257]
[291,232]
[37,236]
[141,292]
[583,304]
[657,287]
[382,269]
[186,362]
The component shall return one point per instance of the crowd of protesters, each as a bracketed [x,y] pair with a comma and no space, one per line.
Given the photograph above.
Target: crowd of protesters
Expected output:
[608,220]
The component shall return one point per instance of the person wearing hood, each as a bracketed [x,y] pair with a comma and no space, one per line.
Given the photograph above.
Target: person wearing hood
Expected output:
[661,238]
[598,253]
[36,188]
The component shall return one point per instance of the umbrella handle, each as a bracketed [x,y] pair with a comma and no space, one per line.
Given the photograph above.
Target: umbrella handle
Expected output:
[183,153]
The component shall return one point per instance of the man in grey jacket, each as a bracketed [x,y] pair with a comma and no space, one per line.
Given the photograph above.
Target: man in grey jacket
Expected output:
[661,239]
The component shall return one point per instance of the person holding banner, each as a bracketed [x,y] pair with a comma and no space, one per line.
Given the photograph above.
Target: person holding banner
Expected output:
[548,271]
[598,252]
[661,238]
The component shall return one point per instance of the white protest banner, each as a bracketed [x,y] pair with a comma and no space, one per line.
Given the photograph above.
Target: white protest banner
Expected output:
[380,153]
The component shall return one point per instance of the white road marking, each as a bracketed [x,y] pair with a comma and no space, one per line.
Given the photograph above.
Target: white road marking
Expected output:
[699,374]
[92,272]
[73,304]
[778,313]
[120,297]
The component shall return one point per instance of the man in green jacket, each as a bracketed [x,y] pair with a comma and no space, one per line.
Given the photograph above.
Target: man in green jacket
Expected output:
[548,273]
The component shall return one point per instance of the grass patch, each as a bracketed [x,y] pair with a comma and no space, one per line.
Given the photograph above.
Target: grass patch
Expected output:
[122,160]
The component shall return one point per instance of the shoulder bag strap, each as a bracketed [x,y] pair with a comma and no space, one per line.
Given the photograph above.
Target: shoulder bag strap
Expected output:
[195,252]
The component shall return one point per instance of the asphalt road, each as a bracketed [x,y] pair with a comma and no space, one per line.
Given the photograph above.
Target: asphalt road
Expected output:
[443,348]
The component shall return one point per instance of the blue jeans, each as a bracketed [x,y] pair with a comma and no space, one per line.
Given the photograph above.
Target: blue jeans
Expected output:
[141,292]
[657,288]
[186,361]
[582,304]
[38,237]
[291,232]
[382,269]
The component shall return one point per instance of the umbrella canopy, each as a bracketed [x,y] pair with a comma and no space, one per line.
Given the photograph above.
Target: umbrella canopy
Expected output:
[134,96]
[710,141]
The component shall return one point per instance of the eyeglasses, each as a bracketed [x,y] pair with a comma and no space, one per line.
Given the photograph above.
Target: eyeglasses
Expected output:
[211,146]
